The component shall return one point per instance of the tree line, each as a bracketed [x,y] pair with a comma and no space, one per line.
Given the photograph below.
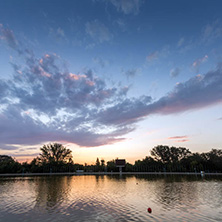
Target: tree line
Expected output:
[57,158]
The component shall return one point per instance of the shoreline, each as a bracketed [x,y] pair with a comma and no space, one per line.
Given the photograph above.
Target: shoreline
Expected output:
[106,173]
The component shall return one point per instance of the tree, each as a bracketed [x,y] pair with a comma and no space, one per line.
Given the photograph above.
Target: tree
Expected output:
[111,166]
[97,164]
[168,155]
[102,164]
[55,153]
[9,165]
[161,153]
[214,159]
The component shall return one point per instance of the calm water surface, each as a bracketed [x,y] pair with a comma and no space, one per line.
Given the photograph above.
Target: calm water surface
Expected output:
[110,198]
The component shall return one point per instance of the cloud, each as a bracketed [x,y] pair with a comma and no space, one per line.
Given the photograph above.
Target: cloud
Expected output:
[219,118]
[125,112]
[44,102]
[98,31]
[18,129]
[131,72]
[8,36]
[196,93]
[100,61]
[156,55]
[196,64]
[127,6]
[121,24]
[182,141]
[152,56]
[58,34]
[180,42]
[174,72]
[71,106]
[177,137]
[26,155]
[212,31]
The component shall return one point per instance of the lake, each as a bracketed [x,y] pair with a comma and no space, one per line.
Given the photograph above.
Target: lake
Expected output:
[111,198]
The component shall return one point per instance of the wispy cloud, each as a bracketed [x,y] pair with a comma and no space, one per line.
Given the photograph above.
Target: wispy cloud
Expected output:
[156,55]
[100,61]
[127,6]
[121,24]
[174,72]
[196,64]
[177,137]
[212,31]
[8,36]
[180,42]
[182,141]
[152,56]
[131,72]
[58,34]
[98,31]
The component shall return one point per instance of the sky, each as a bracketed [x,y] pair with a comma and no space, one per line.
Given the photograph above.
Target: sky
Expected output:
[110,78]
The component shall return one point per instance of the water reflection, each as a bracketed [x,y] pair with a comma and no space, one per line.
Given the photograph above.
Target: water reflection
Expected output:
[51,191]
[111,198]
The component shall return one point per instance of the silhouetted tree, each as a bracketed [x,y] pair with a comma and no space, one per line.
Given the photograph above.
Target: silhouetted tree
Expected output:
[9,165]
[168,155]
[111,166]
[214,159]
[97,168]
[54,153]
[102,164]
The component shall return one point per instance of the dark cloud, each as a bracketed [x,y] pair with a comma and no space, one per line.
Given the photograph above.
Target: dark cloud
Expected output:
[18,129]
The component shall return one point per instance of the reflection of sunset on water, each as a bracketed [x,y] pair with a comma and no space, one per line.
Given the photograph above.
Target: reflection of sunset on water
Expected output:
[113,197]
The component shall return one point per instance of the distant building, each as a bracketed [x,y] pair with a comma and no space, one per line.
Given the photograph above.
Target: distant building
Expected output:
[120,163]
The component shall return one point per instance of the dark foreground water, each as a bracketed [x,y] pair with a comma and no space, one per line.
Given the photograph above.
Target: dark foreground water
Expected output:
[111,198]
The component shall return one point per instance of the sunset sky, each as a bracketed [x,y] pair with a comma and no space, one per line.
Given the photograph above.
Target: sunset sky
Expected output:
[110,78]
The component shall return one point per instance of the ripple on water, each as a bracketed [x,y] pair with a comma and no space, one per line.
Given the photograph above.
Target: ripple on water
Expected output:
[105,198]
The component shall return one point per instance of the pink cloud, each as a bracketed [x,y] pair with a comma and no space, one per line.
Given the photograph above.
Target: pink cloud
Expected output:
[90,83]
[182,141]
[177,137]
[76,77]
